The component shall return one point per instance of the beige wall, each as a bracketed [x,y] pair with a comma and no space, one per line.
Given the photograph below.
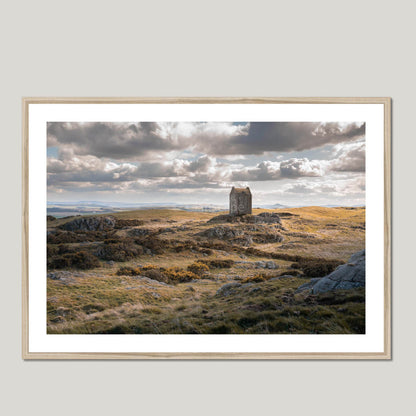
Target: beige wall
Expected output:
[215,48]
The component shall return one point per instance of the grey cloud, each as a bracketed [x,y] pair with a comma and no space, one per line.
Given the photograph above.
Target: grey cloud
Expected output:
[286,137]
[201,164]
[136,140]
[264,171]
[70,170]
[291,168]
[111,140]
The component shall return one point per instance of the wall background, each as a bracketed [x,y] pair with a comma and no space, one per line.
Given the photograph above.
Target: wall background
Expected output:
[215,48]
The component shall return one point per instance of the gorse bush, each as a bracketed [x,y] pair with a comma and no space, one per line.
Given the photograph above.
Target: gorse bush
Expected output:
[198,268]
[178,275]
[128,271]
[149,267]
[261,277]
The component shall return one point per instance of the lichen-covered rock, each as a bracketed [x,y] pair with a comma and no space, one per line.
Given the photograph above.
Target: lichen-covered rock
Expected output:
[90,224]
[228,289]
[139,232]
[271,265]
[262,218]
[268,218]
[346,276]
[222,232]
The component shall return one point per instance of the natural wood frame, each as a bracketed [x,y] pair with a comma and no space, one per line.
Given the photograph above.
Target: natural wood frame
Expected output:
[385,355]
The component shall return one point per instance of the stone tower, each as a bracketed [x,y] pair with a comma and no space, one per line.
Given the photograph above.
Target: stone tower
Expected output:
[240,201]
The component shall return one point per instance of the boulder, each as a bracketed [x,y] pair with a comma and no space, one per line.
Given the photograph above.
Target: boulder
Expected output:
[346,276]
[271,265]
[228,289]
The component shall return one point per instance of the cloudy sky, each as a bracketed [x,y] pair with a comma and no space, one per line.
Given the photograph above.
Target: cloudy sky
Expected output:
[293,163]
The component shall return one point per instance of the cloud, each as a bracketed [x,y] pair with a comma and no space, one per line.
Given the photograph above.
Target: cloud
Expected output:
[350,157]
[296,168]
[187,157]
[335,186]
[291,168]
[286,137]
[136,141]
[204,171]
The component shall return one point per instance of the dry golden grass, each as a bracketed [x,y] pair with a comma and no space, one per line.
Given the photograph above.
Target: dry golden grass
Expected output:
[100,301]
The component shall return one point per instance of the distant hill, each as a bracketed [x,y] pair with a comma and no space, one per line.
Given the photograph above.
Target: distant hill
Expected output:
[274,206]
[63,209]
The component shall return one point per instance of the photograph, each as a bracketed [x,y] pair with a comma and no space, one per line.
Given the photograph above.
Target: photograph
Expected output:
[206,228]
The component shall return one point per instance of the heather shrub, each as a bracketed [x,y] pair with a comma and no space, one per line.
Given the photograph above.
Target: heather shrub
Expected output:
[154,244]
[52,250]
[316,267]
[111,241]
[156,274]
[62,237]
[216,245]
[79,260]
[218,263]
[121,223]
[119,252]
[184,245]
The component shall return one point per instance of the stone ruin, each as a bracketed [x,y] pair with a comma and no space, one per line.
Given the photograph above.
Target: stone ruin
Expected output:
[240,201]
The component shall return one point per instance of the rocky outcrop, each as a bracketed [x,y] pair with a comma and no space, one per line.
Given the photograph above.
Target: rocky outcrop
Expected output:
[263,218]
[222,232]
[90,224]
[346,276]
[244,235]
[267,218]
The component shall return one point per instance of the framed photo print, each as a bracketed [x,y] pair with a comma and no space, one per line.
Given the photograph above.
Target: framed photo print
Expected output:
[206,228]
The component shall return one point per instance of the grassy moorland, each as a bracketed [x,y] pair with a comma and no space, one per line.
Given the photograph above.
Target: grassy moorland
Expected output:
[164,271]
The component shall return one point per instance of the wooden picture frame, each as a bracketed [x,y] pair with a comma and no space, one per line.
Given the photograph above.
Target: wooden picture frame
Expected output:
[30,324]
